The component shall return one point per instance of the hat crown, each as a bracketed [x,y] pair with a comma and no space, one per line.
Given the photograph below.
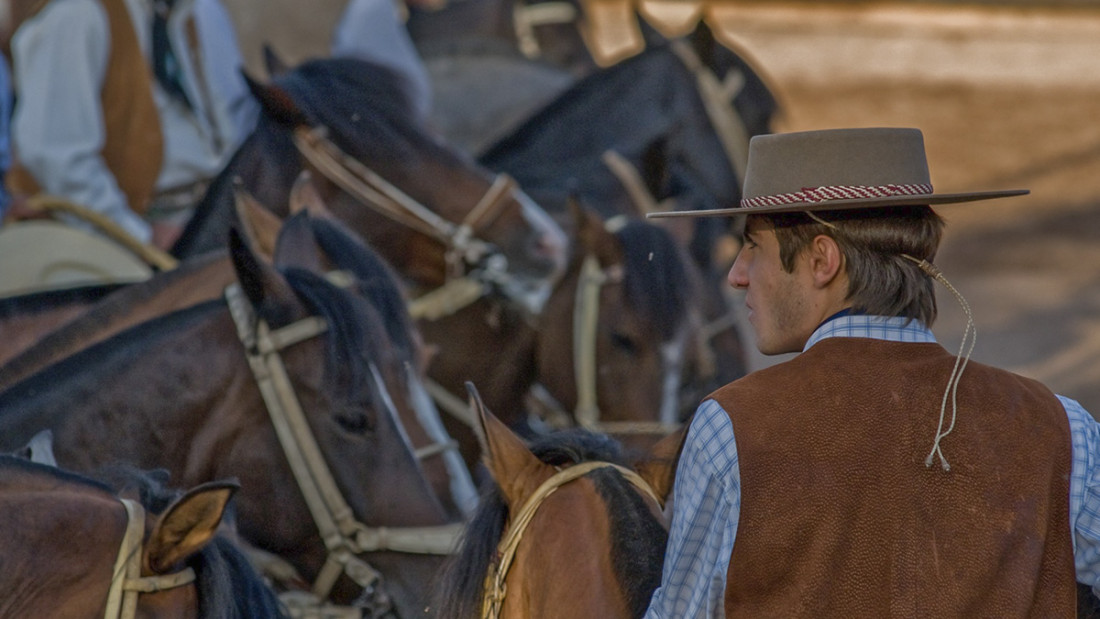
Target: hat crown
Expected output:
[872,157]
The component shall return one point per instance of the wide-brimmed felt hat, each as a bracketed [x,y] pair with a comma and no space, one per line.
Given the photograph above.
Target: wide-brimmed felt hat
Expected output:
[838,169]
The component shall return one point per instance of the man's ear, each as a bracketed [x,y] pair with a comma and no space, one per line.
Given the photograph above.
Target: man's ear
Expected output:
[826,261]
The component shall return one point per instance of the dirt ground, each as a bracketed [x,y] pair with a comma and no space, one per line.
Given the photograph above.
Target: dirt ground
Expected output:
[1016,106]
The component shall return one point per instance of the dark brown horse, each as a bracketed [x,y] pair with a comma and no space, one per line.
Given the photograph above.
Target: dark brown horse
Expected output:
[320,244]
[566,531]
[180,393]
[428,208]
[73,547]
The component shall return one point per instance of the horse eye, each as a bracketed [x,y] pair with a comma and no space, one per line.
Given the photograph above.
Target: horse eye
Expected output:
[623,342]
[354,423]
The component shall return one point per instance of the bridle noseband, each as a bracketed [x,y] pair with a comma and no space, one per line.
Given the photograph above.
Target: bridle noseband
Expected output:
[474,267]
[126,579]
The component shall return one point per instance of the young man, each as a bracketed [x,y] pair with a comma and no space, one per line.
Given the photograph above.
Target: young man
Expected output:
[876,474]
[127,107]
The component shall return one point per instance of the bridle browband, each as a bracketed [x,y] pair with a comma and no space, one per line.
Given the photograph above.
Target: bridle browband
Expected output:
[126,579]
[344,537]
[473,266]
[494,588]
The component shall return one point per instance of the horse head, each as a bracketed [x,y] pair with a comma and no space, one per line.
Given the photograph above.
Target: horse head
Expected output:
[345,450]
[567,531]
[432,211]
[147,553]
[617,335]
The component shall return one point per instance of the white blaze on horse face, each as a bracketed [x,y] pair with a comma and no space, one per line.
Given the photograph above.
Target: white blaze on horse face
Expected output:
[672,360]
[463,491]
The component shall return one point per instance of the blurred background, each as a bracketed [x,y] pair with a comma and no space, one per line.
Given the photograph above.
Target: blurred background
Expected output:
[1008,96]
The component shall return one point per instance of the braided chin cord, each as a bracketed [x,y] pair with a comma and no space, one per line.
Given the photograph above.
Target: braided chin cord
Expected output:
[969,338]
[961,359]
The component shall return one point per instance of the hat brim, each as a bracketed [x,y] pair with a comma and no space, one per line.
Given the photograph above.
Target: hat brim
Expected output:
[841,205]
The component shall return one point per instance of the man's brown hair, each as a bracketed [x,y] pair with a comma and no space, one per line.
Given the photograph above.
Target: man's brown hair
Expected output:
[881,281]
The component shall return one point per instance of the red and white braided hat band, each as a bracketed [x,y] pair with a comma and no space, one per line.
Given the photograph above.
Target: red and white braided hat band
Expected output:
[838,192]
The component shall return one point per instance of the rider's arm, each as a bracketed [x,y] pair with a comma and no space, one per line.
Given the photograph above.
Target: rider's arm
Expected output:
[60,60]
[1084,503]
[705,509]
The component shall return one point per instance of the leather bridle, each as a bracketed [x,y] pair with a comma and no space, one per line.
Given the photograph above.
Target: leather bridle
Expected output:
[474,267]
[343,535]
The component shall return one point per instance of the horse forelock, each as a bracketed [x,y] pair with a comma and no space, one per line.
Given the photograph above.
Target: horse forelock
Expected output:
[374,277]
[657,282]
[356,339]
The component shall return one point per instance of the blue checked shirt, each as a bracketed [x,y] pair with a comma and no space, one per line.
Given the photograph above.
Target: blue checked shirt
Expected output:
[707,494]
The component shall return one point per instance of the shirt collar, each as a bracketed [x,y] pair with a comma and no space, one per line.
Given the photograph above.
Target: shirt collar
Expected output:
[889,328]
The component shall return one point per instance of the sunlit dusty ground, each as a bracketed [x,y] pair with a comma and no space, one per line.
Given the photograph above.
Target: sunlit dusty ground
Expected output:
[1006,99]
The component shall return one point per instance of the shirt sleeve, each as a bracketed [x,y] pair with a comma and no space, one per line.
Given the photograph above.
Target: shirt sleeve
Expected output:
[1084,503]
[705,510]
[60,60]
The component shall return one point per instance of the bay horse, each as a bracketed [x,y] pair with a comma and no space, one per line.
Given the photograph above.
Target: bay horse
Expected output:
[321,244]
[181,392]
[567,530]
[76,547]
[429,209]
[620,335]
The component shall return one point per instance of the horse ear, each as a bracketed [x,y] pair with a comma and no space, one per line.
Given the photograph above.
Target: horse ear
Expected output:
[275,102]
[592,235]
[506,456]
[274,64]
[297,246]
[258,224]
[265,287]
[658,466]
[187,525]
[305,195]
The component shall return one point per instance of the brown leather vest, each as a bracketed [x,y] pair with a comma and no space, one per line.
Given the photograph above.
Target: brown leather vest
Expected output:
[841,518]
[134,145]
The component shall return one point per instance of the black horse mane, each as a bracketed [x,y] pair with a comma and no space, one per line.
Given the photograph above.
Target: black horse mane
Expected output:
[368,113]
[228,586]
[374,277]
[89,323]
[34,302]
[656,278]
[460,587]
[365,106]
[357,335]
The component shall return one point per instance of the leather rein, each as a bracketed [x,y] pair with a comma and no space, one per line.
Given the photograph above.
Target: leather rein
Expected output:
[126,579]
[474,267]
[344,536]
[495,588]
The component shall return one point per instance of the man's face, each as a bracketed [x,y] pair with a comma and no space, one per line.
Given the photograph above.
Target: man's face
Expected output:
[777,301]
